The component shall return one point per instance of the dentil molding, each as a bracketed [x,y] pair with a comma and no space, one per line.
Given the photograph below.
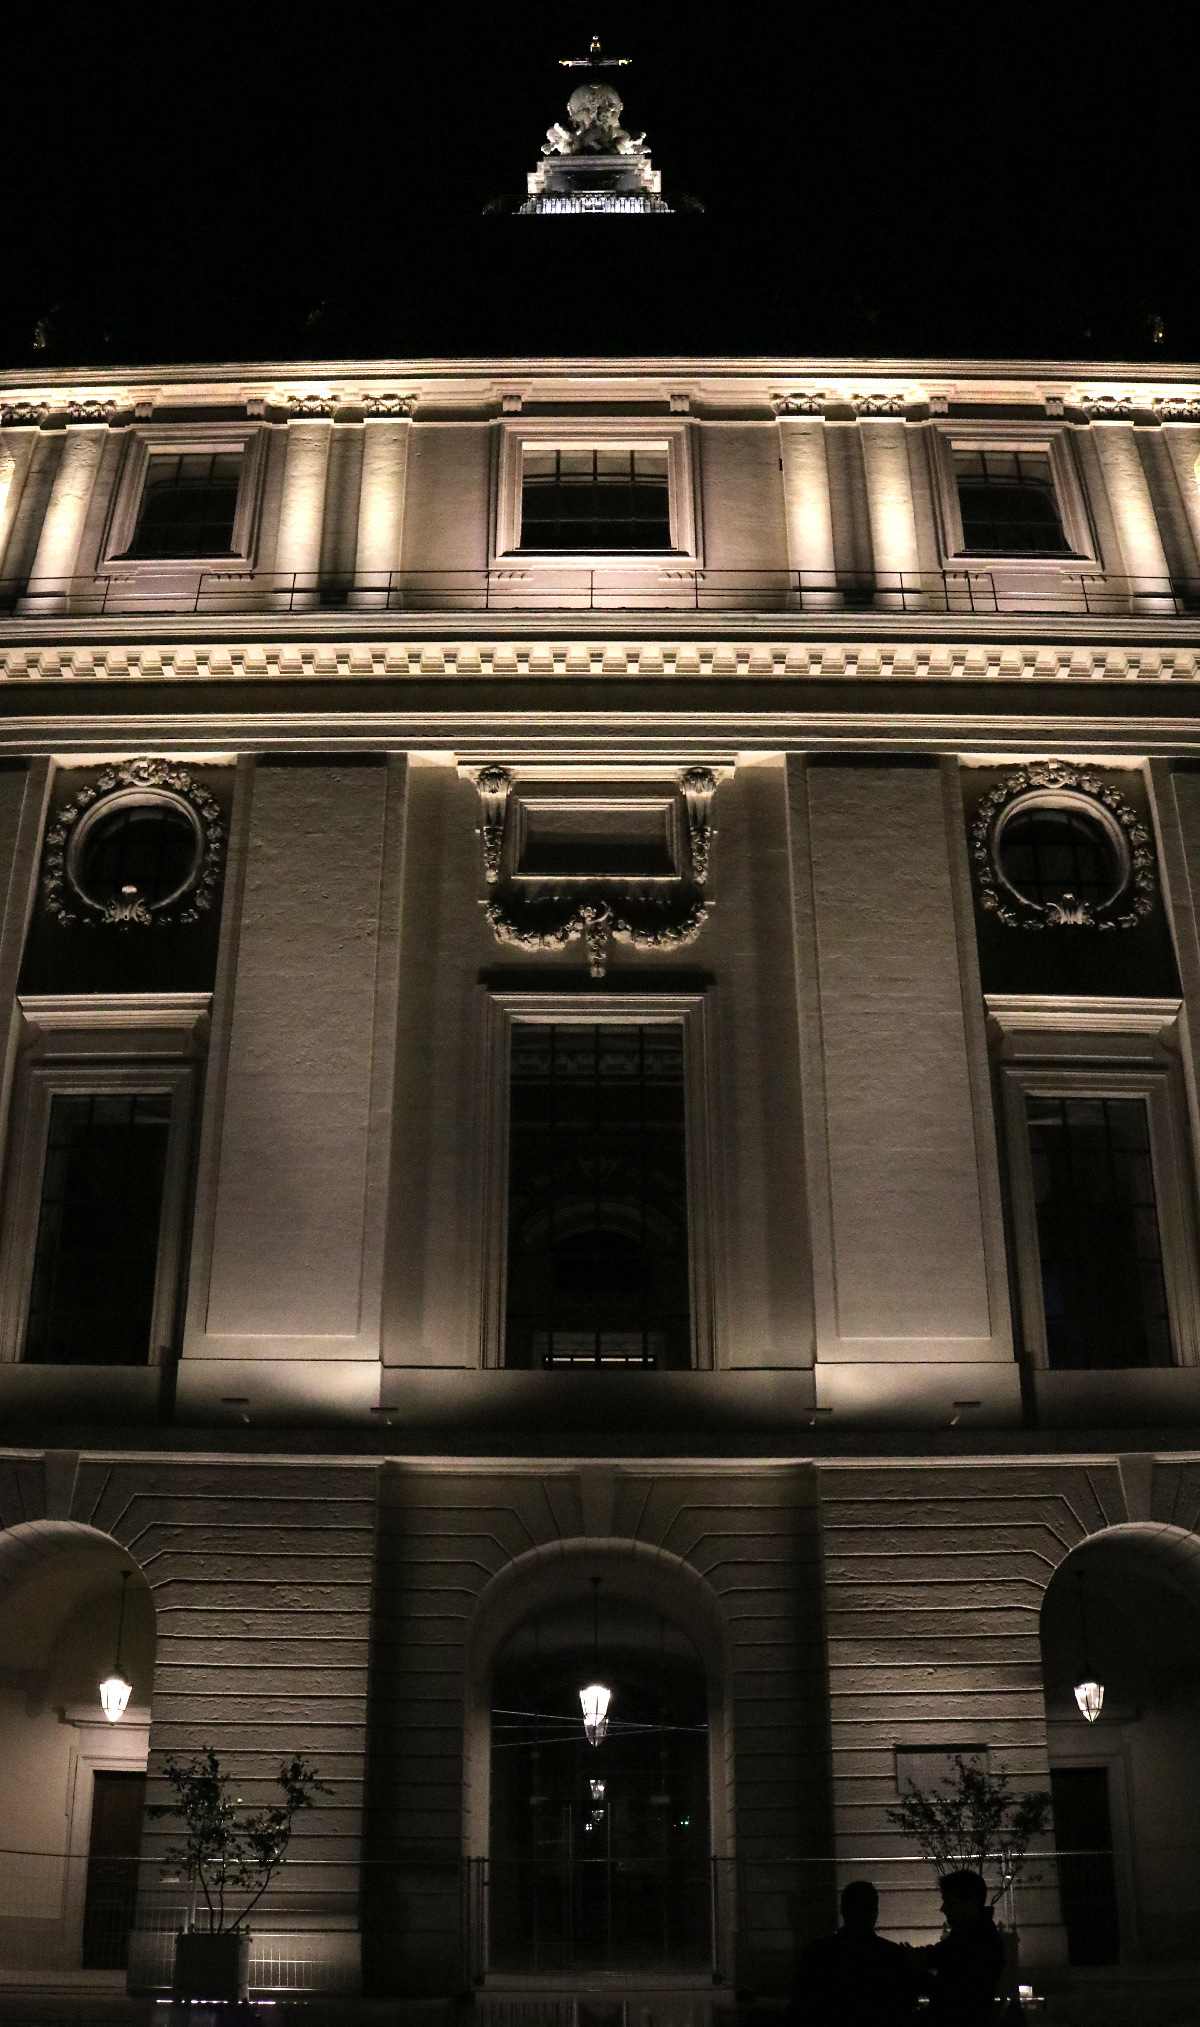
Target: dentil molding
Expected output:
[253,661]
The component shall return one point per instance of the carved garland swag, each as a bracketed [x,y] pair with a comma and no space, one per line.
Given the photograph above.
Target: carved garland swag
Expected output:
[616,910]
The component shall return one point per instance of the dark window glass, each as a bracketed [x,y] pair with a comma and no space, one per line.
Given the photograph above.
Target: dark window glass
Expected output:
[595,499]
[1008,503]
[1087,1881]
[1101,1253]
[151,849]
[96,1261]
[1051,854]
[597,1198]
[188,504]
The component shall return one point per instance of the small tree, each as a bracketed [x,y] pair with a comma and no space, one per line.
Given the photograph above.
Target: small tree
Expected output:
[975,1821]
[228,1854]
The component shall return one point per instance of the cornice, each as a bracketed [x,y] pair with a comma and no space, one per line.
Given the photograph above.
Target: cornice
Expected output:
[1121,390]
[483,658]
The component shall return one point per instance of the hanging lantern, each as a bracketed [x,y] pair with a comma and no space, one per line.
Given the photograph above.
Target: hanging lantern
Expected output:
[1090,1698]
[1089,1695]
[595,1700]
[115,1691]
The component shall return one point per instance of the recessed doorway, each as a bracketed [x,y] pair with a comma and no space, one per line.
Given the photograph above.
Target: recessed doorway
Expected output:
[110,1900]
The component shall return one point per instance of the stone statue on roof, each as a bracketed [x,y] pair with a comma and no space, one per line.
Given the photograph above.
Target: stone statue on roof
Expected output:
[595,113]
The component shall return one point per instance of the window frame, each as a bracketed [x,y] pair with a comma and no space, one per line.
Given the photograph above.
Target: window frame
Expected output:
[669,434]
[76,1044]
[502,1010]
[1048,439]
[160,440]
[1100,1050]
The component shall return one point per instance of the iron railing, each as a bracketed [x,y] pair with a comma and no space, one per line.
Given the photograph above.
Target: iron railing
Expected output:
[323,1923]
[554,587]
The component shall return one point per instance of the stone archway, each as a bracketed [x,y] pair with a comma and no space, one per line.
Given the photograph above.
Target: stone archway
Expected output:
[70,1782]
[1123,1607]
[642,1587]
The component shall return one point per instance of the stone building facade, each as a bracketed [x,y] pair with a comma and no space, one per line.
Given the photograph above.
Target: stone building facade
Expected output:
[599,963]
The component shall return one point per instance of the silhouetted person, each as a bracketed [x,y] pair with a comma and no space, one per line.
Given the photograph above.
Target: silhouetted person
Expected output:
[962,1972]
[855,1978]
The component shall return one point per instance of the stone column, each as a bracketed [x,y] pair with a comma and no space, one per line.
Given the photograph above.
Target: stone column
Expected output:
[1142,556]
[807,508]
[62,530]
[302,511]
[381,505]
[893,517]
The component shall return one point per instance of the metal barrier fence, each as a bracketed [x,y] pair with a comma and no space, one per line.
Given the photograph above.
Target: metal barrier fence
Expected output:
[551,586]
[739,1920]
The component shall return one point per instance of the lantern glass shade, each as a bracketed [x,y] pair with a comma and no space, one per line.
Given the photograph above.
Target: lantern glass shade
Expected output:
[595,1700]
[1090,1698]
[115,1693]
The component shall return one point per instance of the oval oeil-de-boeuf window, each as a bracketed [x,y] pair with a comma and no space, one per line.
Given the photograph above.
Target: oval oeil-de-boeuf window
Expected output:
[1051,850]
[144,845]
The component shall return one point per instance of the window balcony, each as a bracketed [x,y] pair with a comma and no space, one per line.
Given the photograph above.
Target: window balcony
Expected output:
[548,585]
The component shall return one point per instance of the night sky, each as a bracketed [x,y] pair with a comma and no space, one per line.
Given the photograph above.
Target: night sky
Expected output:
[248,182]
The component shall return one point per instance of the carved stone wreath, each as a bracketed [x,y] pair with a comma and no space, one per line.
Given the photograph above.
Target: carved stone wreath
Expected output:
[1049,783]
[619,910]
[152,782]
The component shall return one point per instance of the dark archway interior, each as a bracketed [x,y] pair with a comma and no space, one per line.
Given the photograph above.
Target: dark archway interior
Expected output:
[599,1855]
[1127,1788]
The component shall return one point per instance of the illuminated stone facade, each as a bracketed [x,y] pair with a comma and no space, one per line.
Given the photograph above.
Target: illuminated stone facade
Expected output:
[747,708]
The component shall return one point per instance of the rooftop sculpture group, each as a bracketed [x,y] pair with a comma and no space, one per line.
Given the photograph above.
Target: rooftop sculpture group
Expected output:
[594,164]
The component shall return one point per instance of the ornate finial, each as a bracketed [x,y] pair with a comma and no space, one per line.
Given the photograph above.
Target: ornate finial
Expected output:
[594,60]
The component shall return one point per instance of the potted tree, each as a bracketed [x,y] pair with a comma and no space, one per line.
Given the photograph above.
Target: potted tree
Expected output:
[975,1820]
[230,1856]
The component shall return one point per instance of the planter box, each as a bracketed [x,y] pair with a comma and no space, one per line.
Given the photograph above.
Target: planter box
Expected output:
[211,1966]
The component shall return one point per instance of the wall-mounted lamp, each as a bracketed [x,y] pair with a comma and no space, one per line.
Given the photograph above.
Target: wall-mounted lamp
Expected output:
[115,1691]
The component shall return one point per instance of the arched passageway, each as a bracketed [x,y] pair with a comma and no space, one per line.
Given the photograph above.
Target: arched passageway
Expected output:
[71,1783]
[571,1878]
[1123,1610]
[599,1853]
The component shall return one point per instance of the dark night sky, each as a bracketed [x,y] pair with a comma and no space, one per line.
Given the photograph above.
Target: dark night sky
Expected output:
[271,182]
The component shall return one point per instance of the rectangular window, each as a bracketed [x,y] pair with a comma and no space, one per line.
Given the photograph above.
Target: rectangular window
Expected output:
[586,498]
[188,504]
[1008,503]
[598,1247]
[1099,1243]
[95,1265]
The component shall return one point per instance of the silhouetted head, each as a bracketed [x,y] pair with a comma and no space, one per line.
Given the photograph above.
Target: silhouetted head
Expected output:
[860,1904]
[964,1898]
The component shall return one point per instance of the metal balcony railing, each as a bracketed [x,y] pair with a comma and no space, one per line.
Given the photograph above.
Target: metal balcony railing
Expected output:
[553,588]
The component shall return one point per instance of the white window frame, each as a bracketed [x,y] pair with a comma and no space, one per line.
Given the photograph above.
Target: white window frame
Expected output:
[1048,439]
[183,440]
[686,1010]
[675,437]
[1100,1049]
[84,1043]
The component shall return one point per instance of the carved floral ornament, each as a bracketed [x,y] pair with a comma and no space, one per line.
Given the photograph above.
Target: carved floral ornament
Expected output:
[1052,785]
[600,910]
[876,401]
[77,890]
